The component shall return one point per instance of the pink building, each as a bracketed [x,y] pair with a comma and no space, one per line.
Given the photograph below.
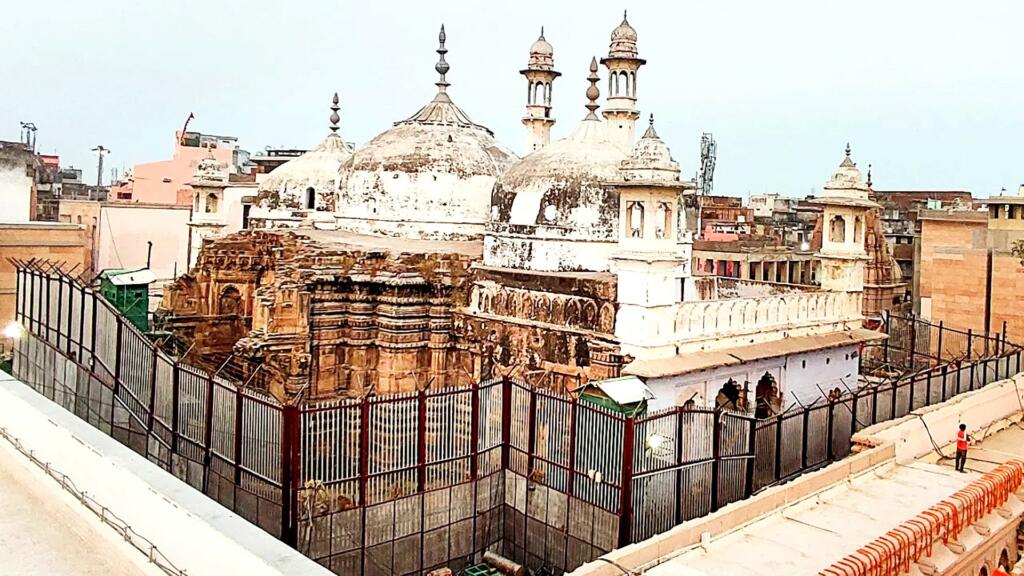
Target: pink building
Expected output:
[166,181]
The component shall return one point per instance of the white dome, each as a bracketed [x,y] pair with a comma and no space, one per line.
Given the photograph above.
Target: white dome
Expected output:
[651,160]
[287,185]
[429,176]
[558,194]
[847,181]
[623,41]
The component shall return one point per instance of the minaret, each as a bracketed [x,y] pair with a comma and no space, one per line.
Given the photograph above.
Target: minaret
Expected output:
[540,75]
[654,249]
[622,62]
[845,202]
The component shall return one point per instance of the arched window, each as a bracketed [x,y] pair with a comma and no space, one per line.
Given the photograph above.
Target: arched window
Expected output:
[635,219]
[858,230]
[837,229]
[1004,560]
[195,203]
[211,202]
[230,301]
[983,571]
[768,398]
[625,84]
[730,397]
[664,220]
[632,84]
[79,217]
[310,198]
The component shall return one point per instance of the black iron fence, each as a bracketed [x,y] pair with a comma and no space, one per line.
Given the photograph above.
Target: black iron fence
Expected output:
[407,483]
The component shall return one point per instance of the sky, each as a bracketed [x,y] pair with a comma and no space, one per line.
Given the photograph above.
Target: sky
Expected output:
[931,93]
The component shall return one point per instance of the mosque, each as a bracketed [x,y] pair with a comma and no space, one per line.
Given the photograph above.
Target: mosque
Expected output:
[433,256]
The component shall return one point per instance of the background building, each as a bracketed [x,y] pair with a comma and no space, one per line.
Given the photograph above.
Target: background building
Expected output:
[969,275]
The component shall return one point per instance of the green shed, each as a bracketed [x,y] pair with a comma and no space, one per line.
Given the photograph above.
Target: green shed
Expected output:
[627,395]
[128,291]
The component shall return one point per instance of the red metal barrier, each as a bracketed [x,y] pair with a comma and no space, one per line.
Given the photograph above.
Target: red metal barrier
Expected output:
[894,552]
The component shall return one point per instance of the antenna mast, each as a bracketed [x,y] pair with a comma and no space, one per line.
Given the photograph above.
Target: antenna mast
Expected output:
[706,173]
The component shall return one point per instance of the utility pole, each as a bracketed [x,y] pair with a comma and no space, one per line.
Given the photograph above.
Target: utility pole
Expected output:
[100,152]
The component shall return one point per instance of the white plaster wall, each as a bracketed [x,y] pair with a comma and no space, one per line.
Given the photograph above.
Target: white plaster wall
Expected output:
[15,194]
[123,231]
[416,205]
[797,374]
[547,255]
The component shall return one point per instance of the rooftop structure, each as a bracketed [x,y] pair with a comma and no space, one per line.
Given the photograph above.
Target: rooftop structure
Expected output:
[887,509]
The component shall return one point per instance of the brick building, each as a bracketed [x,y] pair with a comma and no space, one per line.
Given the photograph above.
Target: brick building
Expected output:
[968,274]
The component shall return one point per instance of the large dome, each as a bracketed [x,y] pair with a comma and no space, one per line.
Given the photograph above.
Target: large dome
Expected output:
[544,205]
[429,176]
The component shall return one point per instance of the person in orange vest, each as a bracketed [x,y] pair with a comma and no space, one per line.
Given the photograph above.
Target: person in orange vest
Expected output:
[962,438]
[1000,571]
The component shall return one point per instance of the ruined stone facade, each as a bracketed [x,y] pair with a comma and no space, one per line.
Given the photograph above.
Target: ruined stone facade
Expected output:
[343,315]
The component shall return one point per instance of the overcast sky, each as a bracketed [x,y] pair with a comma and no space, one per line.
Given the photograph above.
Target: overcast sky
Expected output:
[929,92]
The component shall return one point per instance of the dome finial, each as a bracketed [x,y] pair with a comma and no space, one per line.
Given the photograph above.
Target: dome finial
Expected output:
[869,176]
[442,67]
[650,133]
[334,114]
[592,92]
[848,162]
[541,33]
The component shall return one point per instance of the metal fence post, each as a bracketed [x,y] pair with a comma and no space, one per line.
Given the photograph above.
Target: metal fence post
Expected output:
[716,458]
[152,392]
[972,365]
[626,489]
[938,351]
[803,439]
[909,404]
[571,481]
[175,401]
[830,433]
[474,413]
[506,420]
[913,341]
[1003,348]
[208,434]
[237,448]
[778,448]
[118,342]
[970,347]
[290,475]
[928,389]
[748,481]
[421,440]
[959,371]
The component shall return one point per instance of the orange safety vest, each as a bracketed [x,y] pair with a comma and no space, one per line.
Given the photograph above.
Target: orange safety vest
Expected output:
[1000,572]
[961,440]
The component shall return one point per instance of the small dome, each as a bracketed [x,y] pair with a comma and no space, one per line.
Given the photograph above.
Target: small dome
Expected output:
[651,159]
[288,184]
[847,180]
[623,41]
[209,172]
[542,54]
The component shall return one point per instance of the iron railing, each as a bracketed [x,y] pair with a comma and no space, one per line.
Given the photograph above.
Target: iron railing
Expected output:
[406,483]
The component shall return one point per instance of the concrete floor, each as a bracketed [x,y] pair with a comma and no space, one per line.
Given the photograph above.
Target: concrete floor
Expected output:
[40,532]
